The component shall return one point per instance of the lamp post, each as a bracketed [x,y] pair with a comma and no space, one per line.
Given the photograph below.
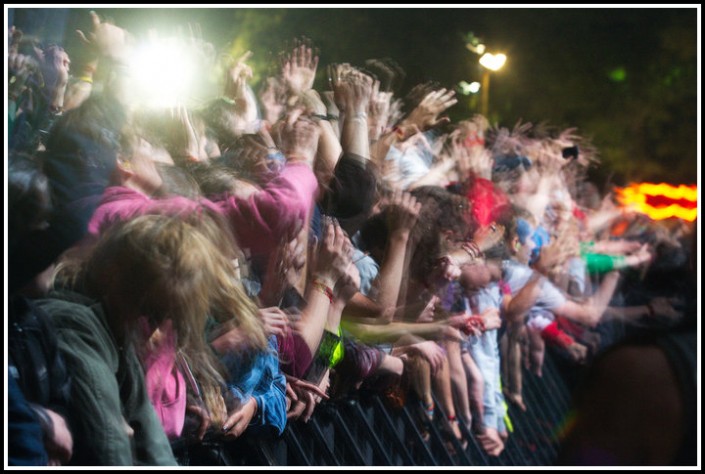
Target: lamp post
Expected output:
[485,96]
[490,62]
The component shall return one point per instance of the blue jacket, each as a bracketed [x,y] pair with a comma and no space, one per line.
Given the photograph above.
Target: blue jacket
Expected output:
[258,375]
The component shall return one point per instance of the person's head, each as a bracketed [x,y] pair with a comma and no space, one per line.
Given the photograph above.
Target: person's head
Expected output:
[487,202]
[29,196]
[221,117]
[181,132]
[138,161]
[515,174]
[179,269]
[29,206]
[82,147]
[177,181]
[253,158]
[519,232]
[443,224]
[216,179]
[522,243]
[374,235]
[164,267]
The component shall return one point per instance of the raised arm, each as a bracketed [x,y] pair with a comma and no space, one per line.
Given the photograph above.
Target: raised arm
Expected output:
[352,91]
[403,213]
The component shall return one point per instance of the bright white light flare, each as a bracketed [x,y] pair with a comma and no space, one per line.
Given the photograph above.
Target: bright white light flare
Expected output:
[493,62]
[162,72]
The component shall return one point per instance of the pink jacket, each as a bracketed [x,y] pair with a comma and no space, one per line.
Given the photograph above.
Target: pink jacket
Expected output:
[166,386]
[260,222]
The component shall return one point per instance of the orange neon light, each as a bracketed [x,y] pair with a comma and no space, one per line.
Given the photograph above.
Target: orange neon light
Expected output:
[660,201]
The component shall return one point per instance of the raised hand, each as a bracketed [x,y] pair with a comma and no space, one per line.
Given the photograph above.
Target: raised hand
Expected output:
[186,137]
[340,88]
[106,39]
[475,160]
[389,73]
[347,285]
[283,269]
[297,137]
[237,75]
[403,212]
[272,96]
[237,89]
[426,115]
[380,108]
[20,66]
[299,68]
[334,255]
[351,89]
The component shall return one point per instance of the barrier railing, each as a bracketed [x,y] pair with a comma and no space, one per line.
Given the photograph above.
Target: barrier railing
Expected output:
[363,431]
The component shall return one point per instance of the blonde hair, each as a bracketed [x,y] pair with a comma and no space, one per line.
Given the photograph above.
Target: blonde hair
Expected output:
[164,267]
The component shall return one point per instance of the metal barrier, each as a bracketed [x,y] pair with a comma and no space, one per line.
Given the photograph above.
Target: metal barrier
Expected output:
[364,431]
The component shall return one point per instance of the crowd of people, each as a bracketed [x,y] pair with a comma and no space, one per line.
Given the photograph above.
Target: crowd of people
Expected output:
[178,273]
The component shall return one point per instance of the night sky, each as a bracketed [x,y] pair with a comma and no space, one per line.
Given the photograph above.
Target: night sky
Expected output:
[626,78]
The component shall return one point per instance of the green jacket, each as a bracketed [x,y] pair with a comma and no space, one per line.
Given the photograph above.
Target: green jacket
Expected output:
[107,389]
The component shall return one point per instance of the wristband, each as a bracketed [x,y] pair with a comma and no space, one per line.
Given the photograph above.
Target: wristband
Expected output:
[474,322]
[553,334]
[323,288]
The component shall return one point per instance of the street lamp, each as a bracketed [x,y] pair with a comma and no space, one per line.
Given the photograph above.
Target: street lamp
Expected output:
[490,62]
